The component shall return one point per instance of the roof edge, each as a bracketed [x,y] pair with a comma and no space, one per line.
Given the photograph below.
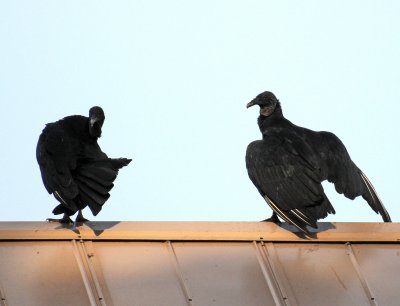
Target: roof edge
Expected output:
[200,231]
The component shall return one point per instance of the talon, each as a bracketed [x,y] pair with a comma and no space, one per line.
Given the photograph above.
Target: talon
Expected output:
[63,220]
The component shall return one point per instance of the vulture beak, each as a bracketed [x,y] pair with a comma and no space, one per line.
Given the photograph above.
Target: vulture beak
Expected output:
[93,120]
[251,103]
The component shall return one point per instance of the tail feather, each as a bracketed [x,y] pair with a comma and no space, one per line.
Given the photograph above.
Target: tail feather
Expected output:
[93,184]
[92,173]
[94,207]
[95,180]
[106,174]
[93,195]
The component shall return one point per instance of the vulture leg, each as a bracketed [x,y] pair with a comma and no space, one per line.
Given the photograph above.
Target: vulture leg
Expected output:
[274,218]
[80,218]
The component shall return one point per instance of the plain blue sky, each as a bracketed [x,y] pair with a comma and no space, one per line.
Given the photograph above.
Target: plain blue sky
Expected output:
[174,77]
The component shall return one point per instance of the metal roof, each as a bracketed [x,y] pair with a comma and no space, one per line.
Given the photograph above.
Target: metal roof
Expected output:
[198,263]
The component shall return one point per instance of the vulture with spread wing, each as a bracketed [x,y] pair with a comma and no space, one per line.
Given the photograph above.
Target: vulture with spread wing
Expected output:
[288,165]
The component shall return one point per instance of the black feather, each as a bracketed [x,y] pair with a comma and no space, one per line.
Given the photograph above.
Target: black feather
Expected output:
[101,172]
[99,188]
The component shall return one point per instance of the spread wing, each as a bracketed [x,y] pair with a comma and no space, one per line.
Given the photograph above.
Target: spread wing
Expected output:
[348,178]
[288,175]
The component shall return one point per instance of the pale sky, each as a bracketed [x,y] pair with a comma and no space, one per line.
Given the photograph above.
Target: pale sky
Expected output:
[173,78]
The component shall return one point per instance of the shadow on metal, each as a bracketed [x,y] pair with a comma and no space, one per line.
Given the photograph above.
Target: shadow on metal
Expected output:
[97,227]
[98,230]
[313,233]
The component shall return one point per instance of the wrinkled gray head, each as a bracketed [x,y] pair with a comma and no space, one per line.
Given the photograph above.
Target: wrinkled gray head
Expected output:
[267,102]
[96,120]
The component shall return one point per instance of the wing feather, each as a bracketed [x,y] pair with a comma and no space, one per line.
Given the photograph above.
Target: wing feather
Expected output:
[348,178]
[288,180]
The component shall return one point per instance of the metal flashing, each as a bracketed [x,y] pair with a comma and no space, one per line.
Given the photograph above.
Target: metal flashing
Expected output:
[200,231]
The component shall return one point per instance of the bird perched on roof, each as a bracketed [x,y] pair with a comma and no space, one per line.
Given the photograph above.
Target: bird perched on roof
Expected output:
[288,165]
[73,167]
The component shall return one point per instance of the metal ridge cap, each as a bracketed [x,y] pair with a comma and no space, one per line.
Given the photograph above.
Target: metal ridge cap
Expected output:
[200,231]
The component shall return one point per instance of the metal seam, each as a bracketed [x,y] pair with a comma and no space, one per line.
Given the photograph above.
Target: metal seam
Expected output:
[85,277]
[92,271]
[269,277]
[279,274]
[363,280]
[3,300]
[178,272]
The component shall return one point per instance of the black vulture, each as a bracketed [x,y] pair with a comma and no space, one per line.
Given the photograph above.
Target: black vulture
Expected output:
[73,167]
[288,165]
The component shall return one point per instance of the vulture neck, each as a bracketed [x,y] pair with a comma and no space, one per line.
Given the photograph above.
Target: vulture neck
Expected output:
[265,122]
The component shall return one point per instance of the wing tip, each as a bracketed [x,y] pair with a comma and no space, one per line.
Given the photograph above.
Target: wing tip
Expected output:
[377,204]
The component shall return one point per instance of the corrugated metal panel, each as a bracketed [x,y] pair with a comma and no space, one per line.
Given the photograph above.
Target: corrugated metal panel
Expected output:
[92,266]
[41,273]
[314,269]
[138,273]
[222,273]
[380,265]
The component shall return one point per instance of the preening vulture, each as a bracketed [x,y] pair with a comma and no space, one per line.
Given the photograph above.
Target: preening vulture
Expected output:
[73,167]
